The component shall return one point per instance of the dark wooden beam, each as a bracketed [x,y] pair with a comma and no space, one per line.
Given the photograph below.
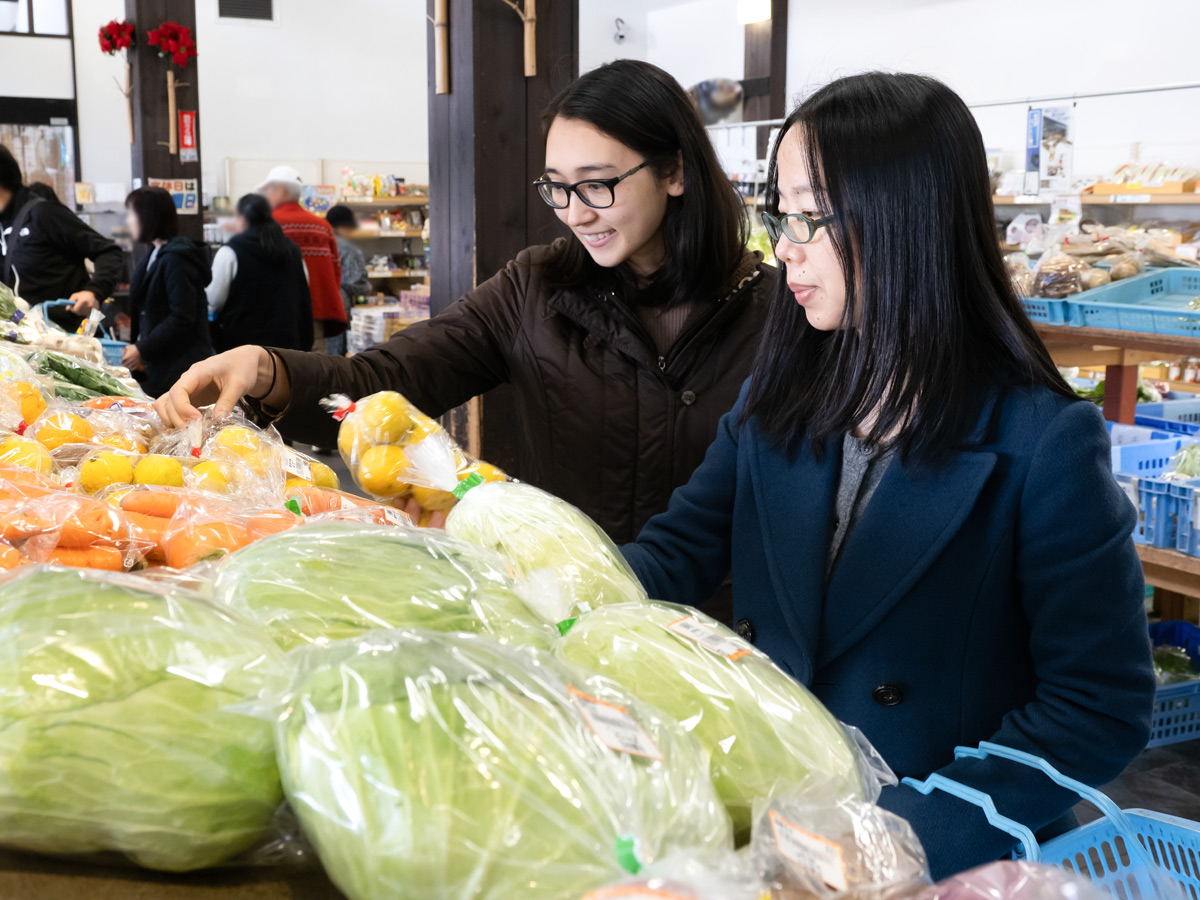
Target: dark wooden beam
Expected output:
[765,84]
[485,150]
[150,120]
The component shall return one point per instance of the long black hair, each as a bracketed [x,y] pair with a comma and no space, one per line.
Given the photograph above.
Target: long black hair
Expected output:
[156,214]
[931,321]
[255,209]
[704,230]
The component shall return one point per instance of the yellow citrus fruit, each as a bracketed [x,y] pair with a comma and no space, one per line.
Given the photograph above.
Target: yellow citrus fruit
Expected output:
[354,439]
[22,451]
[120,441]
[487,471]
[104,470]
[160,470]
[424,427]
[433,500]
[381,471]
[59,428]
[115,497]
[240,440]
[29,399]
[387,416]
[323,476]
[294,482]
[210,476]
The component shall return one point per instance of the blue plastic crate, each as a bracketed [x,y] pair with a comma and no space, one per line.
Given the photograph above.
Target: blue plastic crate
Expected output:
[1176,716]
[1039,309]
[1134,854]
[1179,416]
[1133,434]
[1157,513]
[1146,459]
[1157,302]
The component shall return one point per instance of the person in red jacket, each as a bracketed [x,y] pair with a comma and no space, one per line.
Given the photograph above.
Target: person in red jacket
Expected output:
[318,246]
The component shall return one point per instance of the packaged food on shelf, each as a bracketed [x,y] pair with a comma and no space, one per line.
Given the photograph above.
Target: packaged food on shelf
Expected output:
[428,765]
[115,731]
[761,727]
[1057,276]
[334,580]
[564,564]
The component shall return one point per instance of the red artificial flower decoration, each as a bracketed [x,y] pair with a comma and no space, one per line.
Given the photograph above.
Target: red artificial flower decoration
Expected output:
[173,40]
[116,36]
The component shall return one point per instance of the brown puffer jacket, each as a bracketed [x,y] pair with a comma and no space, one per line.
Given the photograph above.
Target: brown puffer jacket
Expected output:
[604,421]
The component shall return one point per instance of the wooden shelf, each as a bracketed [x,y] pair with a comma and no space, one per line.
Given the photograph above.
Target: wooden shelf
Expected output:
[1167,345]
[385,201]
[1107,200]
[373,234]
[1170,570]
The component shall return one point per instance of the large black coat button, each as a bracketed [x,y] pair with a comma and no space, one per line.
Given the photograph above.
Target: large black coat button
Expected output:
[688,397]
[745,630]
[888,695]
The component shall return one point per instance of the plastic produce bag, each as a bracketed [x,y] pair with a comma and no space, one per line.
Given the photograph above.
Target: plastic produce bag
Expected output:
[760,726]
[69,531]
[326,582]
[113,732]
[564,563]
[689,876]
[427,765]
[1126,265]
[1172,665]
[1012,880]
[1058,276]
[96,380]
[1186,461]
[812,840]
[1017,266]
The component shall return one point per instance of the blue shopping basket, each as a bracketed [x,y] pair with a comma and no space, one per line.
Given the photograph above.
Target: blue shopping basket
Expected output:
[114,351]
[1128,852]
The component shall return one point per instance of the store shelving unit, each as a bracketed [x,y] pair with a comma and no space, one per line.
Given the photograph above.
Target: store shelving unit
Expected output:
[374,241]
[1106,200]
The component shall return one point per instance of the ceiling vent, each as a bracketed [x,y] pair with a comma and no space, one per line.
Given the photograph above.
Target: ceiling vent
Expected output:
[246,9]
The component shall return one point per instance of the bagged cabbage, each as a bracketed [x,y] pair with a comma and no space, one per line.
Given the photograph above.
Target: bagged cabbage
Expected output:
[760,726]
[1018,880]
[114,732]
[689,876]
[325,582]
[812,841]
[564,563]
[427,765]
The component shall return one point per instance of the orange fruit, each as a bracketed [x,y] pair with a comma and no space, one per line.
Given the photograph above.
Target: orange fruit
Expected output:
[58,428]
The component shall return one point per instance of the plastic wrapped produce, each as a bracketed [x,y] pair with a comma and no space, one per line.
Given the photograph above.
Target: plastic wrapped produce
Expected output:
[564,563]
[1012,880]
[427,765]
[1094,278]
[812,841]
[689,876]
[1058,276]
[338,580]
[1186,461]
[1017,266]
[69,531]
[113,730]
[1126,265]
[761,727]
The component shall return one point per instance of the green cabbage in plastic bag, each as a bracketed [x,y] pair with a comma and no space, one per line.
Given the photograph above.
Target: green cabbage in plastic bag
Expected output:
[427,765]
[564,563]
[113,732]
[761,727]
[324,582]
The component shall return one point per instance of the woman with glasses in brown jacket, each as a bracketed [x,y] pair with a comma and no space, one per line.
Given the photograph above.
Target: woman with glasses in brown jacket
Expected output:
[624,343]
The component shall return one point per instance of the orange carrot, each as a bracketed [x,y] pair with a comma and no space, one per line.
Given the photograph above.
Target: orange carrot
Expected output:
[149,532]
[10,558]
[118,402]
[193,543]
[96,557]
[272,522]
[152,503]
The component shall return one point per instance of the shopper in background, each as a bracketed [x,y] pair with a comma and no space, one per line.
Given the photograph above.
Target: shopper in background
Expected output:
[623,343]
[318,247]
[166,296]
[259,292]
[919,513]
[44,246]
[354,267]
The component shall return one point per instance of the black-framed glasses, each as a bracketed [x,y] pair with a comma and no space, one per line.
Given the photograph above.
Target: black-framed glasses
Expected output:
[796,227]
[598,193]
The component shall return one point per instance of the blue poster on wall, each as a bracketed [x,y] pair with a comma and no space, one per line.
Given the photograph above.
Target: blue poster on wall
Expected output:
[1033,150]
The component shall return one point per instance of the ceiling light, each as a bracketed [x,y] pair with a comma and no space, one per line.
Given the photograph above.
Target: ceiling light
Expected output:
[751,11]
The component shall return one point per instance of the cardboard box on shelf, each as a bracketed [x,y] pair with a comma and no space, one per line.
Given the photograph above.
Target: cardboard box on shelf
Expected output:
[1165,187]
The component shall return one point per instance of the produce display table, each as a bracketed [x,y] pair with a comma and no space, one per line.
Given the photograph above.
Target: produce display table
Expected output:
[24,875]
[1178,579]
[1120,352]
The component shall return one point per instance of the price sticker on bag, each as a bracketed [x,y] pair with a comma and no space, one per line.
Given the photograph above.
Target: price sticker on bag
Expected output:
[691,628]
[297,466]
[614,726]
[811,853]
[394,516]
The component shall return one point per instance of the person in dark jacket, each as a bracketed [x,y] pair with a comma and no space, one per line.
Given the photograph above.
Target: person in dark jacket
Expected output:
[355,283]
[624,343]
[893,487]
[259,293]
[167,302]
[44,246]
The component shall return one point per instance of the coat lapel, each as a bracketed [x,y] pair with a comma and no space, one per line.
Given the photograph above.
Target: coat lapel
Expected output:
[599,320]
[908,522]
[796,498]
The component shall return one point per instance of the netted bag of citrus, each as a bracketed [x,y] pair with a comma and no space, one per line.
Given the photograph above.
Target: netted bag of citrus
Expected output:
[396,452]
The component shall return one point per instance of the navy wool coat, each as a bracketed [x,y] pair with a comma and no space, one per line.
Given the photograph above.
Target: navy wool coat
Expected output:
[997,597]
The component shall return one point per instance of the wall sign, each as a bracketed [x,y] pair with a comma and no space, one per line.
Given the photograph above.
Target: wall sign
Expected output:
[184,191]
[187,136]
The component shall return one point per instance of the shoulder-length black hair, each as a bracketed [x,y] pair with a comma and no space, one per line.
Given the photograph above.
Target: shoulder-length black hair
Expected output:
[255,209]
[931,321]
[704,230]
[155,210]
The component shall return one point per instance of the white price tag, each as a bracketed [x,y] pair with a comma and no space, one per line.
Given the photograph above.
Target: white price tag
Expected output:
[346,504]
[297,466]
[815,855]
[690,628]
[1130,198]
[615,727]
[395,516]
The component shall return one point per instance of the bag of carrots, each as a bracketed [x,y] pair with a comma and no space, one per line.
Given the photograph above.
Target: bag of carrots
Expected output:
[68,530]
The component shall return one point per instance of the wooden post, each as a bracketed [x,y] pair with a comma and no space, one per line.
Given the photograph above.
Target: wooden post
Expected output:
[763,88]
[441,47]
[154,120]
[485,150]
[129,97]
[530,20]
[172,115]
[1120,393]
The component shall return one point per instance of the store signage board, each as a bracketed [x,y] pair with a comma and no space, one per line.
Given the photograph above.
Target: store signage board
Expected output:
[187,136]
[184,191]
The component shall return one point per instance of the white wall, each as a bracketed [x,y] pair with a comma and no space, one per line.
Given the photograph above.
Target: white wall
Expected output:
[103,119]
[987,51]
[697,40]
[597,26]
[35,67]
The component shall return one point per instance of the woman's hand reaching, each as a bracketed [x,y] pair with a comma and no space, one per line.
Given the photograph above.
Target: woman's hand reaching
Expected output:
[224,380]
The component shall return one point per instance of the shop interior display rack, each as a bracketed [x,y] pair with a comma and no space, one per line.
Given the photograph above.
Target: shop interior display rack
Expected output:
[376,242]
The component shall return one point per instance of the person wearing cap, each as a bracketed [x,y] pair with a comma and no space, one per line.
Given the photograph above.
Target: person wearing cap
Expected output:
[43,246]
[318,247]
[354,267]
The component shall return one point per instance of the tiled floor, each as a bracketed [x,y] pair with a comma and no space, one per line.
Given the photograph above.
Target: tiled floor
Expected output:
[1165,779]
